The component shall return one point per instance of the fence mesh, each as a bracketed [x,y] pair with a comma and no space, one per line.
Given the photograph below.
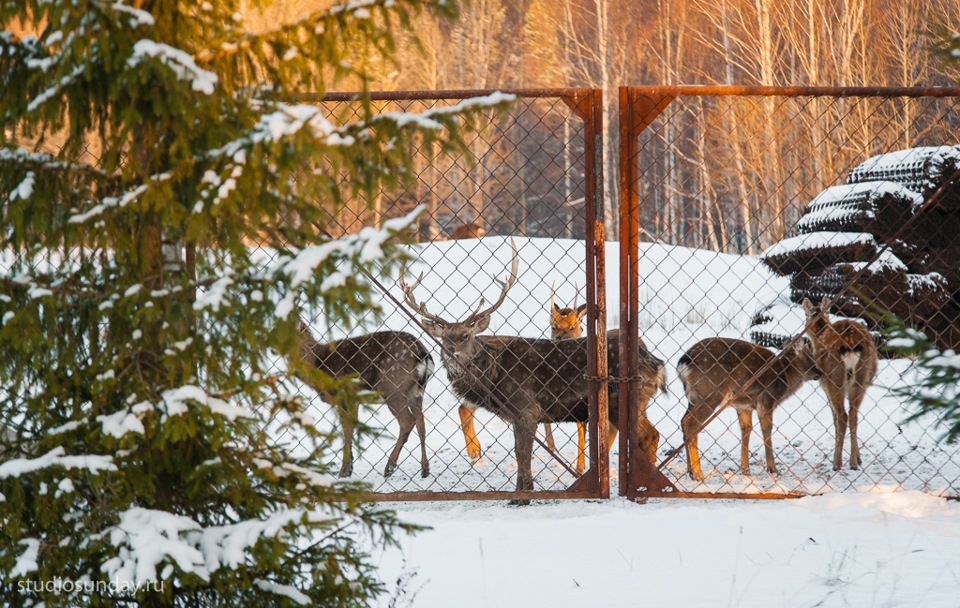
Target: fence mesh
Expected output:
[748,205]
[522,184]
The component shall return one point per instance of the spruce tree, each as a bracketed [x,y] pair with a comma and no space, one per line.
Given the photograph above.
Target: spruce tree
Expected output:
[145,149]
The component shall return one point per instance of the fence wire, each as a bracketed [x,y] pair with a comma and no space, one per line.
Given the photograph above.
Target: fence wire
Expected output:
[751,203]
[523,184]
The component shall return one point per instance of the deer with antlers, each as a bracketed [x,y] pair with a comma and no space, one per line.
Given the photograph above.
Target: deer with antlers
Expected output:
[393,364]
[527,381]
[847,358]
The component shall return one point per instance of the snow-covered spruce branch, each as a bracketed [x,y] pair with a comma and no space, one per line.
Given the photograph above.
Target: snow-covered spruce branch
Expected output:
[288,121]
[38,161]
[145,539]
[117,202]
[301,266]
[56,457]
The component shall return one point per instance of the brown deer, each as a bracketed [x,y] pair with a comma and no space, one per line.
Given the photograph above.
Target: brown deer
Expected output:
[393,364]
[714,370]
[567,323]
[527,381]
[473,230]
[847,358]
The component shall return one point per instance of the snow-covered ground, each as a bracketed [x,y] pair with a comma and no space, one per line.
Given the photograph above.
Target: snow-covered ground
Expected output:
[869,549]
[876,537]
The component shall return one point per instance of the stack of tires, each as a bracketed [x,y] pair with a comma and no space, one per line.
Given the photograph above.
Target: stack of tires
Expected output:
[882,207]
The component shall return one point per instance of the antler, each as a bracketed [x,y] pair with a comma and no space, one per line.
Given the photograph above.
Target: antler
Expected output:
[420,308]
[505,285]
[552,287]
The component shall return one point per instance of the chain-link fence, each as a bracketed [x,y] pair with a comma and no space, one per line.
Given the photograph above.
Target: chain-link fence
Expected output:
[759,215]
[504,263]
[737,206]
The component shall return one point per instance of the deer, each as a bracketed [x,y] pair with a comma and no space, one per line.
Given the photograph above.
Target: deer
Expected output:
[393,364]
[527,381]
[566,323]
[473,230]
[847,358]
[713,372]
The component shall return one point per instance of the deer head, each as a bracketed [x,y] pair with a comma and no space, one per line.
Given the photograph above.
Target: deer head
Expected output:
[458,336]
[566,322]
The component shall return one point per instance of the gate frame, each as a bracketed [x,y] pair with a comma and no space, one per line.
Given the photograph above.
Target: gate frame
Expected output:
[586,104]
[639,107]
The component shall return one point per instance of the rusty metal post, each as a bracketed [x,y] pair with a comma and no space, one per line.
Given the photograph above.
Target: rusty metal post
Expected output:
[588,105]
[636,471]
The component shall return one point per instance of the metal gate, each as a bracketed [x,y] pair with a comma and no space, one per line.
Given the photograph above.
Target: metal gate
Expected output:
[530,192]
[738,204]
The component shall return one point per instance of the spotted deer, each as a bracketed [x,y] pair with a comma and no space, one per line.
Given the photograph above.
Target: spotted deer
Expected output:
[713,372]
[847,358]
[393,364]
[527,381]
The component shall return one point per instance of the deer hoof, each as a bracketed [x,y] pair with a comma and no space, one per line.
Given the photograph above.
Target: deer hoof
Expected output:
[387,472]
[346,470]
[425,472]
[519,502]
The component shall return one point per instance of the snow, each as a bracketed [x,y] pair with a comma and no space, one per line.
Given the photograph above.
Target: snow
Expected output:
[876,548]
[861,543]
[177,401]
[284,590]
[146,538]
[921,169]
[180,62]
[25,189]
[56,458]
[26,561]
[817,240]
[120,423]
[886,261]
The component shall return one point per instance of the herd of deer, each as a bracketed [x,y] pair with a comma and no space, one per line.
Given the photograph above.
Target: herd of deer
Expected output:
[528,382]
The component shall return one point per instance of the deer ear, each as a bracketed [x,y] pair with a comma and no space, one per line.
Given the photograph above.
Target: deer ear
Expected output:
[482,324]
[556,308]
[581,310]
[825,304]
[807,307]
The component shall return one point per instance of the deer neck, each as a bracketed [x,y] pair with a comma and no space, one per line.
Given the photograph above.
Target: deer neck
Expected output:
[466,371]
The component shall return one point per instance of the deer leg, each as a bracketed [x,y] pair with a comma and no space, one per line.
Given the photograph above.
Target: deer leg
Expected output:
[469,432]
[835,396]
[548,436]
[649,437]
[422,431]
[857,391]
[581,446]
[765,413]
[523,435]
[348,417]
[690,423]
[406,420]
[745,417]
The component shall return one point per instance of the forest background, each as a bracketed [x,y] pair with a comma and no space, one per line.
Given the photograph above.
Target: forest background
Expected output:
[606,44]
